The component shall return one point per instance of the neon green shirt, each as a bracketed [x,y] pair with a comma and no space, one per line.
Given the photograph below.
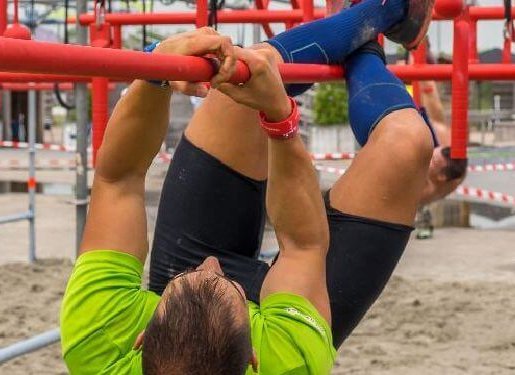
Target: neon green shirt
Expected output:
[104,309]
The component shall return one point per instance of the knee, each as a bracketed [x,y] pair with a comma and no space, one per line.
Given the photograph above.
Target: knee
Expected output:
[408,137]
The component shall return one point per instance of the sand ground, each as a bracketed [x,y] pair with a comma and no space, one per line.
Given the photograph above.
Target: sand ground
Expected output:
[449,309]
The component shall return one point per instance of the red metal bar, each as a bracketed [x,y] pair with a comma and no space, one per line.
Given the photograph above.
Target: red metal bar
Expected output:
[488,13]
[99,113]
[473,56]
[53,58]
[224,16]
[35,86]
[201,15]
[29,77]
[460,89]
[506,53]
[255,16]
[309,10]
[419,58]
[117,36]
[3,16]
[42,86]
[73,60]
[263,4]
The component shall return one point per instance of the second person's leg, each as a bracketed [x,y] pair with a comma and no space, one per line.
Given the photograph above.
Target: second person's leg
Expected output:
[371,208]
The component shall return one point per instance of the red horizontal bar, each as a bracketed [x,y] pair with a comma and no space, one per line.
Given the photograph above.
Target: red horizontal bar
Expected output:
[252,16]
[53,58]
[29,77]
[224,16]
[42,86]
[488,13]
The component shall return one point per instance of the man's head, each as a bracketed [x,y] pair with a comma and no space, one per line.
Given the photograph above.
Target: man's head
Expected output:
[201,326]
[445,173]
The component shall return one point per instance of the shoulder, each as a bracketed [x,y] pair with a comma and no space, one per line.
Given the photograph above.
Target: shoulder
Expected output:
[103,309]
[289,334]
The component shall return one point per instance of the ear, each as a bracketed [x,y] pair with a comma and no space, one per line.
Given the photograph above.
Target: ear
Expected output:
[254,361]
[441,177]
[139,341]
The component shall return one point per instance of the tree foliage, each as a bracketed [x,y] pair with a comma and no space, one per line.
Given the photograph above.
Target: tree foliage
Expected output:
[330,105]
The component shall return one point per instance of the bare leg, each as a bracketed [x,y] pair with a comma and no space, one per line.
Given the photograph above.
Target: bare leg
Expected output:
[230,132]
[385,180]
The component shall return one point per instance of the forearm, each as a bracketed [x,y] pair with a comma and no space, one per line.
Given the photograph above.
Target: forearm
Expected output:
[294,202]
[134,132]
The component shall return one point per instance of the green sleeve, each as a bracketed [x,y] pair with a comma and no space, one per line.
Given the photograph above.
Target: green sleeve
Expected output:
[290,337]
[103,311]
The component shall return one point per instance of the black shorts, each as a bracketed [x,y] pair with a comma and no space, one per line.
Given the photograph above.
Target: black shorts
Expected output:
[207,208]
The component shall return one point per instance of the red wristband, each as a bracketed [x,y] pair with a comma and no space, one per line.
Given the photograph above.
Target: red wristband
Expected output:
[284,129]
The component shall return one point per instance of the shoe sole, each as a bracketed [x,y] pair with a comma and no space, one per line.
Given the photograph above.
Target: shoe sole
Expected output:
[410,32]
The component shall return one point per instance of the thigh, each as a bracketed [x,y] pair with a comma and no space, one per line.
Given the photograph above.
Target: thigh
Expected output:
[362,256]
[206,208]
[387,177]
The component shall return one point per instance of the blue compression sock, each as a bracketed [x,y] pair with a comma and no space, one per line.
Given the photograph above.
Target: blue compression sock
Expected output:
[374,93]
[332,39]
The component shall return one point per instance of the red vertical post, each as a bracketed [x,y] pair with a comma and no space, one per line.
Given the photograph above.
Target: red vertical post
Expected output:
[99,115]
[460,88]
[419,58]
[506,53]
[117,36]
[202,13]
[308,11]
[3,16]
[100,36]
[473,56]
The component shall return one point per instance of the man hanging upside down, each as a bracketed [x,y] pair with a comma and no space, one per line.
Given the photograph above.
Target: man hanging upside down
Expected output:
[445,174]
[222,311]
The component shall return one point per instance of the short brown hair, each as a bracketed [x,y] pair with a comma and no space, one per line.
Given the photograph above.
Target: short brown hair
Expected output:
[454,168]
[196,332]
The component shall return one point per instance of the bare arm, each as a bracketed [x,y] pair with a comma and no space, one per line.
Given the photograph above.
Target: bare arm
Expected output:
[116,218]
[296,210]
[294,202]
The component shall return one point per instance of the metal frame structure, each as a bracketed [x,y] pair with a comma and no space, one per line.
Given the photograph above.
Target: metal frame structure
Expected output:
[30,214]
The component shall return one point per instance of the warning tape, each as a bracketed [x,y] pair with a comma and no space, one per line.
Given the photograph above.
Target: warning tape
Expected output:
[38,146]
[499,167]
[482,194]
[466,191]
[333,156]
[333,170]
[61,164]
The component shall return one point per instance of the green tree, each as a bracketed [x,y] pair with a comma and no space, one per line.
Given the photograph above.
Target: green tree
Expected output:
[330,104]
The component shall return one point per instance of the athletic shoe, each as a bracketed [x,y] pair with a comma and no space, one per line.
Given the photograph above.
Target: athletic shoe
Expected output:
[413,29]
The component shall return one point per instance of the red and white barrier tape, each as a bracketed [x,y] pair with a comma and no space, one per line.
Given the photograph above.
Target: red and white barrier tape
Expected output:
[60,164]
[487,195]
[500,167]
[322,168]
[333,156]
[38,146]
[15,164]
[465,191]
